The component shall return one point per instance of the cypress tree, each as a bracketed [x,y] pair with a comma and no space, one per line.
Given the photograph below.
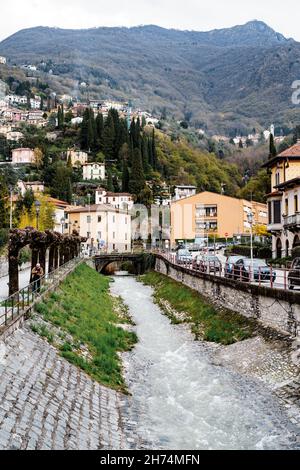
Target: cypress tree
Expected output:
[132,133]
[145,153]
[137,177]
[150,153]
[110,184]
[109,138]
[99,131]
[154,154]
[124,158]
[84,130]
[273,150]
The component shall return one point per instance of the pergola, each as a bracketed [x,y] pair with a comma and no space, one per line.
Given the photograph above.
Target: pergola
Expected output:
[62,248]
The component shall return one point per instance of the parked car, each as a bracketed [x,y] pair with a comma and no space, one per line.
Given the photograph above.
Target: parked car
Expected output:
[215,247]
[261,271]
[230,262]
[183,256]
[294,274]
[209,264]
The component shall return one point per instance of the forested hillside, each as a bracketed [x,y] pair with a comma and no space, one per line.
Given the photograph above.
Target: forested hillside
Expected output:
[224,81]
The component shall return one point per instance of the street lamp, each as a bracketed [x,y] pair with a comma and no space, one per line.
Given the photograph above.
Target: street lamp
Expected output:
[62,221]
[37,212]
[250,220]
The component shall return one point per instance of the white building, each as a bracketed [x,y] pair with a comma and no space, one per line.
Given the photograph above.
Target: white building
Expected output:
[35,103]
[284,201]
[14,136]
[16,99]
[2,60]
[93,171]
[104,227]
[182,192]
[118,200]
[77,157]
[60,218]
[35,186]
[23,155]
[2,90]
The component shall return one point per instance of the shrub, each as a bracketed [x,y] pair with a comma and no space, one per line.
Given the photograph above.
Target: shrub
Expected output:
[3,236]
[296,252]
[262,252]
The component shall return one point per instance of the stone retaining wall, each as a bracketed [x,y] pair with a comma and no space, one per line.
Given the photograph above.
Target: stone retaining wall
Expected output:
[274,308]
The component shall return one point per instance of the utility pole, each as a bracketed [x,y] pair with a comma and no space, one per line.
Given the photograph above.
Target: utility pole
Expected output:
[11,208]
[250,220]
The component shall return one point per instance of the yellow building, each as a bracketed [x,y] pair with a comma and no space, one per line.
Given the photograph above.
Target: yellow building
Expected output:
[284,201]
[209,214]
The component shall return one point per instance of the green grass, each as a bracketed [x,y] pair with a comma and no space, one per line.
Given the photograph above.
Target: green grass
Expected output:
[208,323]
[83,307]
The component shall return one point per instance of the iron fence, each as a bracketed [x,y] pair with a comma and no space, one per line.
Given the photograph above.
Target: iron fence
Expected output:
[276,278]
[16,304]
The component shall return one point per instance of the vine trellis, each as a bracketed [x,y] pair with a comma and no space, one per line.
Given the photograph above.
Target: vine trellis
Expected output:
[62,248]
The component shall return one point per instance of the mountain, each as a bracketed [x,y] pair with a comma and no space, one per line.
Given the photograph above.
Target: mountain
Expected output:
[222,80]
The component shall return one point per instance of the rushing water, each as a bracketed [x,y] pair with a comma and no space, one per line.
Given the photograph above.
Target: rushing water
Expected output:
[180,400]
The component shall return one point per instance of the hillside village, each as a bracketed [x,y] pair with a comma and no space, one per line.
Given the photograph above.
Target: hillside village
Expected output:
[149,231]
[67,158]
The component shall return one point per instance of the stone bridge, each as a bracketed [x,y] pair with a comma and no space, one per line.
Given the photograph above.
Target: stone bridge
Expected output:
[140,261]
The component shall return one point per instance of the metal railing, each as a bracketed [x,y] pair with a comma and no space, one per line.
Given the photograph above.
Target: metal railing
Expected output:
[276,278]
[18,303]
[291,220]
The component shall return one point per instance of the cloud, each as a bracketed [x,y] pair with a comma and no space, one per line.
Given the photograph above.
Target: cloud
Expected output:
[199,15]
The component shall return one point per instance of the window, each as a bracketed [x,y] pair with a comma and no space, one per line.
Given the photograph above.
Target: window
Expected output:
[296,204]
[114,246]
[270,212]
[286,207]
[277,178]
[126,236]
[99,218]
[114,219]
[126,220]
[114,235]
[126,247]
[89,219]
[277,212]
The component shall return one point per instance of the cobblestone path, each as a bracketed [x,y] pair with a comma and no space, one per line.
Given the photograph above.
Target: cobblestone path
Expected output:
[46,403]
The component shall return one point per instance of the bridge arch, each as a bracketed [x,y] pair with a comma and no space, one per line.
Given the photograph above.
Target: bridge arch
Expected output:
[140,262]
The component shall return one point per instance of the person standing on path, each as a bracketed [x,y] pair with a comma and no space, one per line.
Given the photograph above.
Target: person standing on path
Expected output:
[37,274]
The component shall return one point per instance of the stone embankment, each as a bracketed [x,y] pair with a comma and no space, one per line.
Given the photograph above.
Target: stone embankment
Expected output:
[47,403]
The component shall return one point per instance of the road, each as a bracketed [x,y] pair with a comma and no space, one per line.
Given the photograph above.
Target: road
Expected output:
[281,274]
[24,277]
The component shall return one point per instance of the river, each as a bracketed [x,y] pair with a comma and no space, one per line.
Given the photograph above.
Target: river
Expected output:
[180,400]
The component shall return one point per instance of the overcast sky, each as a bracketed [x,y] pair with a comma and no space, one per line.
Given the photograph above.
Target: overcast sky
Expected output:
[200,15]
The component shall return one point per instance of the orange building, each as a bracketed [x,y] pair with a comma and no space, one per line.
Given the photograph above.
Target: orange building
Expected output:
[209,214]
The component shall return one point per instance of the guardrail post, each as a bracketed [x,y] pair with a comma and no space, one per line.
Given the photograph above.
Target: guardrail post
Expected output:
[285,279]
[5,313]
[13,306]
[271,272]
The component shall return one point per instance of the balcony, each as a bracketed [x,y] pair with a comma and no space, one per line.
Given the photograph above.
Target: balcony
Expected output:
[292,222]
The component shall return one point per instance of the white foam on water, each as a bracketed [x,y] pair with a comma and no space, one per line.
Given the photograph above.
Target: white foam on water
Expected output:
[180,400]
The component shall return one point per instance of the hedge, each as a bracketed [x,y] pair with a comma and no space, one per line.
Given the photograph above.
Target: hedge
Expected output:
[296,252]
[261,252]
